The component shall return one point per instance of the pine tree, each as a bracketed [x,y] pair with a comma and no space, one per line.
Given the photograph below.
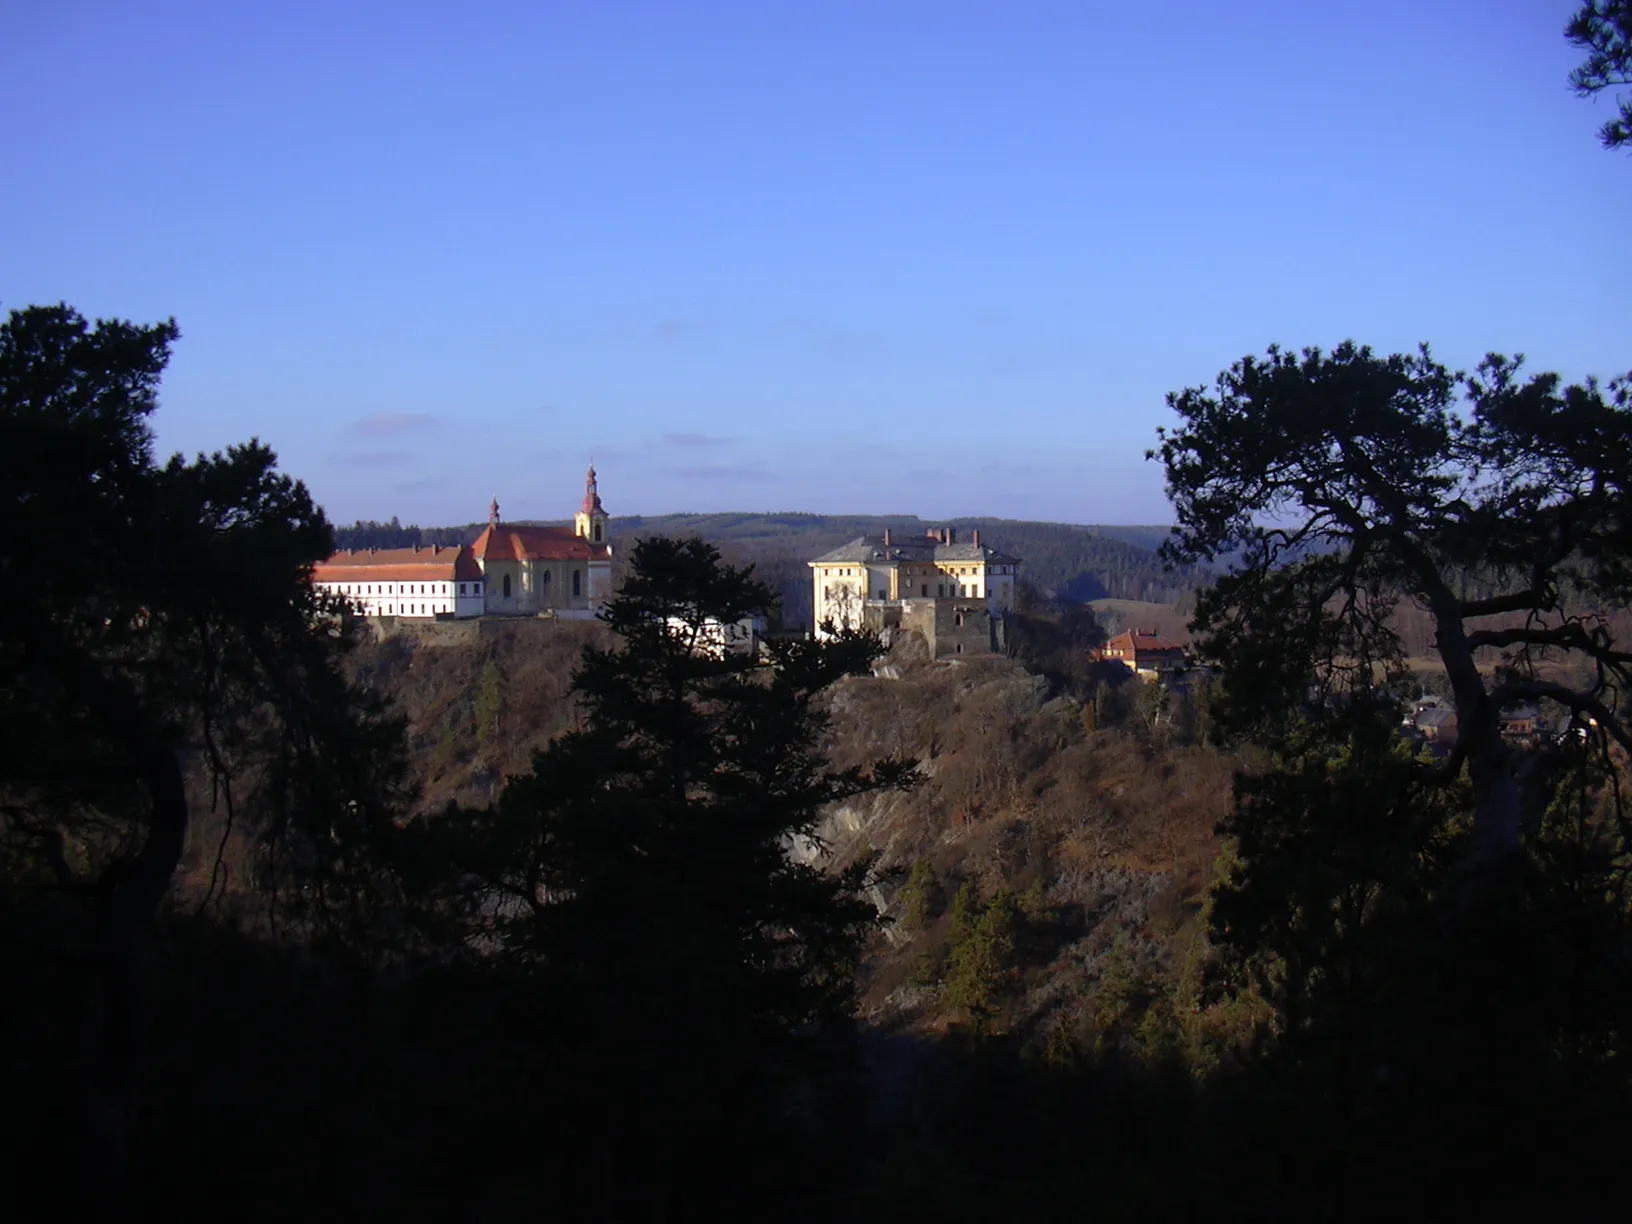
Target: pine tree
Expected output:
[647,861]
[965,912]
[981,957]
[489,703]
[921,898]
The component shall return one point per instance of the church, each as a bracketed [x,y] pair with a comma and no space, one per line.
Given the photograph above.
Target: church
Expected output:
[509,570]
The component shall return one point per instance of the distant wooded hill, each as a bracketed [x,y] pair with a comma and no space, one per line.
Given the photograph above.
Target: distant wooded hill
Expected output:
[1072,562]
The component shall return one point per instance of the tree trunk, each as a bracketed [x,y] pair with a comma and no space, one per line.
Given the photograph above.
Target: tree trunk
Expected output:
[125,920]
[129,894]
[1498,813]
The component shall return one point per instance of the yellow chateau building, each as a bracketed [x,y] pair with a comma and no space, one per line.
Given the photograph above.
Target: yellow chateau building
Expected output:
[509,570]
[950,589]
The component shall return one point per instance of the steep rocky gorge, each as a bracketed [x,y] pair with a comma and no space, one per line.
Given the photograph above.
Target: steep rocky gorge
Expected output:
[1103,834]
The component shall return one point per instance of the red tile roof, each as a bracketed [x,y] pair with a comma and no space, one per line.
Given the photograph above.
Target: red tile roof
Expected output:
[432,564]
[1135,642]
[504,542]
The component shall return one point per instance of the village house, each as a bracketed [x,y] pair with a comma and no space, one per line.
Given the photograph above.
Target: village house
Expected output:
[509,570]
[1145,653]
[1521,723]
[1436,724]
[956,593]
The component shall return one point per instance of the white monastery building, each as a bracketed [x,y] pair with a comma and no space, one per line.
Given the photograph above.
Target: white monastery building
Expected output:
[508,571]
[429,582]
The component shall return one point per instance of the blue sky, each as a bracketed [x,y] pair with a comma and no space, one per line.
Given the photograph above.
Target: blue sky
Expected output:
[937,258]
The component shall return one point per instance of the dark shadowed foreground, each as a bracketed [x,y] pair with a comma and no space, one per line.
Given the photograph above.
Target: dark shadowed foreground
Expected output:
[603,924]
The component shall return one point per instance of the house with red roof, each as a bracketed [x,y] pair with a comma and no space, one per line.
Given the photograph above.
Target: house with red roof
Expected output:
[509,570]
[1145,653]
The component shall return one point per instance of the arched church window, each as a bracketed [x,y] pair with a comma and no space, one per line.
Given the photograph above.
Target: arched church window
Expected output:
[507,586]
[544,582]
[597,533]
[577,583]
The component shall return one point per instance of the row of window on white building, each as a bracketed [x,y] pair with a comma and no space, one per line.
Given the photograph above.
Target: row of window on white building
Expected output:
[404,588]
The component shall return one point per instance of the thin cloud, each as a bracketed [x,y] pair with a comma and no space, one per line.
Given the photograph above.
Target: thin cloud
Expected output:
[670,330]
[724,471]
[371,459]
[392,424]
[600,454]
[840,341]
[695,441]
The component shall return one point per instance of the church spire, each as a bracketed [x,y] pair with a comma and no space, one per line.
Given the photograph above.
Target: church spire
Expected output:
[493,512]
[592,494]
[590,523]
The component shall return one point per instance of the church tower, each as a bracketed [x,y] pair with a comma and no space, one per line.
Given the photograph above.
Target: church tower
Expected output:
[590,523]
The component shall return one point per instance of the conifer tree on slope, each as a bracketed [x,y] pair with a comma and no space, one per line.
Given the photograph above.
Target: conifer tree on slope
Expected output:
[644,863]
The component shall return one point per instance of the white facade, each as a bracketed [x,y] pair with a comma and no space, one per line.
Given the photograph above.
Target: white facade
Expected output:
[839,592]
[878,570]
[514,570]
[417,599]
[718,638]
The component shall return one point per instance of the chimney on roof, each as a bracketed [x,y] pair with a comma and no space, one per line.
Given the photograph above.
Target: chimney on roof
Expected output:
[933,533]
[951,535]
[886,537]
[974,537]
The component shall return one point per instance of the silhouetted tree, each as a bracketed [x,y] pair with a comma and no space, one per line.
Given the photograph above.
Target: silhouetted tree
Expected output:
[1426,929]
[1603,29]
[1055,636]
[158,621]
[651,867]
[1351,482]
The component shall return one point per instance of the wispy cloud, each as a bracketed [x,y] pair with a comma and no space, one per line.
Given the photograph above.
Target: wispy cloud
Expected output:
[670,330]
[371,459]
[695,441]
[840,342]
[392,424]
[725,471]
